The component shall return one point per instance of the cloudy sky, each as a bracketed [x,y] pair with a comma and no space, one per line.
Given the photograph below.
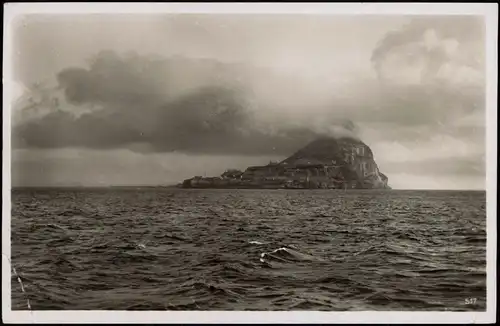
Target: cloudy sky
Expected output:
[154,99]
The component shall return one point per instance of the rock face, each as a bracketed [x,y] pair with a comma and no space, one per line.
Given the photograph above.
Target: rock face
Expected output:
[326,163]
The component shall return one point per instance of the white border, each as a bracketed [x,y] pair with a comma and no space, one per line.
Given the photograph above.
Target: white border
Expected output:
[489,10]
[252,8]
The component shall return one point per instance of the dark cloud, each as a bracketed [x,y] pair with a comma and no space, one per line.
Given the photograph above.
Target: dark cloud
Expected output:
[156,104]
[140,105]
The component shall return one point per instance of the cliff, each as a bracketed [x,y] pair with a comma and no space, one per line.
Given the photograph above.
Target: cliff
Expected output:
[326,163]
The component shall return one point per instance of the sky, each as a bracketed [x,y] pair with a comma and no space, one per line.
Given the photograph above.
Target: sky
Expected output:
[154,99]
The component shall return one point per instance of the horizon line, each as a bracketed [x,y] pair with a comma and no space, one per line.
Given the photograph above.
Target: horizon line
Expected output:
[175,186]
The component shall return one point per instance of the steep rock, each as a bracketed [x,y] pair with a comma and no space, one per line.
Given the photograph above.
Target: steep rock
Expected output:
[328,163]
[353,159]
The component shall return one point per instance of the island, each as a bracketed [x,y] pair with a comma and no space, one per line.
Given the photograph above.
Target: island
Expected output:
[325,163]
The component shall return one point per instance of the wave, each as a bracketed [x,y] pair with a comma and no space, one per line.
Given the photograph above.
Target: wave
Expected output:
[141,250]
[256,242]
[46,226]
[286,255]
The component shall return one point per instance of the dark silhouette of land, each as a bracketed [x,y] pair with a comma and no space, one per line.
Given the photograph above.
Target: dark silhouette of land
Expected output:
[325,163]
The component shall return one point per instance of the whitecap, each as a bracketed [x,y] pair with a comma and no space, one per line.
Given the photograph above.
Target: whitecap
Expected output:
[291,255]
[264,254]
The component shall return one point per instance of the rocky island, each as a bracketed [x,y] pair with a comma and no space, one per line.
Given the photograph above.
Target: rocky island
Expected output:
[325,163]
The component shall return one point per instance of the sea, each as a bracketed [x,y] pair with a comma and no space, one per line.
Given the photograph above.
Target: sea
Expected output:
[140,248]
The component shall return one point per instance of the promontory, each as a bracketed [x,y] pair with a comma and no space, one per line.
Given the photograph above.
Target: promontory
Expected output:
[325,163]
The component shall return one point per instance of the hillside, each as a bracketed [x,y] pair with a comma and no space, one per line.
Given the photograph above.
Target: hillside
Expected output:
[333,163]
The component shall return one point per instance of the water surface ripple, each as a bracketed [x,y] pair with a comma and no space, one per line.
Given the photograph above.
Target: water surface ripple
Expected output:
[175,249]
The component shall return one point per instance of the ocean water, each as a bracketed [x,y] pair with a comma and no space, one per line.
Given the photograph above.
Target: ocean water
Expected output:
[181,249]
